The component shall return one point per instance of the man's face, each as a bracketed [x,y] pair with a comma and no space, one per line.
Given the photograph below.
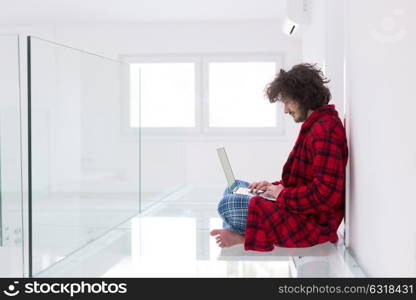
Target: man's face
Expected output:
[293,108]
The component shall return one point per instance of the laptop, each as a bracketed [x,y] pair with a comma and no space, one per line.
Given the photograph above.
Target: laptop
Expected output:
[232,184]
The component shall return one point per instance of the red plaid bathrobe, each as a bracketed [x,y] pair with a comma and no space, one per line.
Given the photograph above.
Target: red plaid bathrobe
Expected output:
[310,208]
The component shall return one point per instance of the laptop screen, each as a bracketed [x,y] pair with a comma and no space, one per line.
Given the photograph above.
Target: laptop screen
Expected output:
[226,166]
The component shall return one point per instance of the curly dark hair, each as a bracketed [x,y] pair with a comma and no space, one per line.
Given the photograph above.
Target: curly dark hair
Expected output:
[304,83]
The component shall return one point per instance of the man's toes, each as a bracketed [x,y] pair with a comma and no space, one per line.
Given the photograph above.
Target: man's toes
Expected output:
[215,232]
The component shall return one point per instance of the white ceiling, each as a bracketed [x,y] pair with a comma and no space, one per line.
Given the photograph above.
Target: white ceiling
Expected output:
[133,11]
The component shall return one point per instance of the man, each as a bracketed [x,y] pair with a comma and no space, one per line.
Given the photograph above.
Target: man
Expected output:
[309,202]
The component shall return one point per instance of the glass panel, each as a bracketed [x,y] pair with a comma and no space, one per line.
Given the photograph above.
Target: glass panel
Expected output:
[157,90]
[11,245]
[236,94]
[163,167]
[167,94]
[85,175]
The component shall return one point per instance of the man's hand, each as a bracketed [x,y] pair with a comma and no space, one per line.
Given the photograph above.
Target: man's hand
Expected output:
[261,185]
[274,190]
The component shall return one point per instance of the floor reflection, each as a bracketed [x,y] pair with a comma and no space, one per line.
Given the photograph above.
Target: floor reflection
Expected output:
[178,247]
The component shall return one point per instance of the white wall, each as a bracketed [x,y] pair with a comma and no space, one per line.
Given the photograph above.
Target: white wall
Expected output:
[314,37]
[323,44]
[380,89]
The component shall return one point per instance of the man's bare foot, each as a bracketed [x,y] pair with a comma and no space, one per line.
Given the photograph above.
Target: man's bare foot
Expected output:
[226,238]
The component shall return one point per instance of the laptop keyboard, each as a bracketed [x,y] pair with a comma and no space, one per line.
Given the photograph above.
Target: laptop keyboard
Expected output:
[245,191]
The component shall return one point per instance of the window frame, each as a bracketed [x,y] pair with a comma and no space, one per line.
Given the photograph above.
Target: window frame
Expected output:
[201,97]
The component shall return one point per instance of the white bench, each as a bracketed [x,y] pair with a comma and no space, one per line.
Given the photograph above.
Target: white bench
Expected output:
[324,260]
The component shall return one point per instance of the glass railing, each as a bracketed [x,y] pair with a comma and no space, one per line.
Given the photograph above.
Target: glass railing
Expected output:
[162,159]
[11,233]
[84,172]
[162,172]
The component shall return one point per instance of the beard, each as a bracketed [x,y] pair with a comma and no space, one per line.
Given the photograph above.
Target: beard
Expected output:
[302,114]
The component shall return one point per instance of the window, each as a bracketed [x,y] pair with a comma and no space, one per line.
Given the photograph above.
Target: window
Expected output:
[203,94]
[166,92]
[236,94]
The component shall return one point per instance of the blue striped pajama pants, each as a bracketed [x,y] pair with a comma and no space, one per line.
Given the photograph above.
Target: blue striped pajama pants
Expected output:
[233,209]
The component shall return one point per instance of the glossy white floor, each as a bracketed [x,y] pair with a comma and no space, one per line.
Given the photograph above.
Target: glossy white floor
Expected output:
[171,239]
